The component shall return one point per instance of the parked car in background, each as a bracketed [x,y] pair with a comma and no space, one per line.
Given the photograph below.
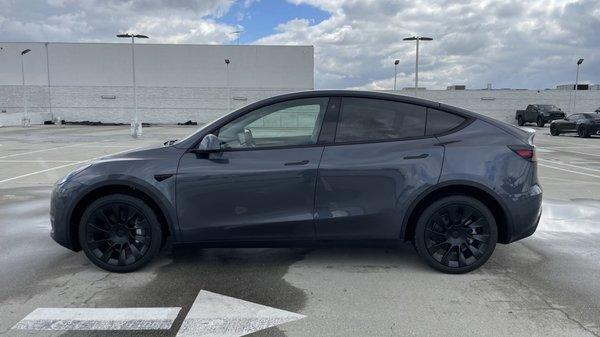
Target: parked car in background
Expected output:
[585,124]
[539,113]
[314,167]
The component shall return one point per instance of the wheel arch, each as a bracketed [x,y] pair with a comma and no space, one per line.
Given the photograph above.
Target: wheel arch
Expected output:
[480,192]
[120,187]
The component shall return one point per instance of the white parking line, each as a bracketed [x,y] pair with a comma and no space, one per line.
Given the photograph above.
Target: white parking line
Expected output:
[571,171]
[565,164]
[99,319]
[40,161]
[36,151]
[214,315]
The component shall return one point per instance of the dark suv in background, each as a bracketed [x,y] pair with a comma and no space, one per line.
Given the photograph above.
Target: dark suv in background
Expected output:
[314,167]
[539,113]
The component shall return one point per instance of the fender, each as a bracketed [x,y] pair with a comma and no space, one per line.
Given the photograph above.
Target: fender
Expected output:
[448,183]
[152,192]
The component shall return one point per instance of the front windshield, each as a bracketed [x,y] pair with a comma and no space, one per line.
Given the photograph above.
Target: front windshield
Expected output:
[549,108]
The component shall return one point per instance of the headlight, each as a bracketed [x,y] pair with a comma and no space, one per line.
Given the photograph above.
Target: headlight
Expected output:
[73,173]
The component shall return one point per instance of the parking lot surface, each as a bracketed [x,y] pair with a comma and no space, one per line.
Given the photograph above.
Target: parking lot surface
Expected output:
[545,285]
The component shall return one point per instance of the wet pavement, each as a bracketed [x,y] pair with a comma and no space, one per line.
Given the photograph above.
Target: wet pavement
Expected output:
[545,285]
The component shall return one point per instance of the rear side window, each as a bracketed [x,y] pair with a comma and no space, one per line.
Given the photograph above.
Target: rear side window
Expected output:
[441,121]
[367,119]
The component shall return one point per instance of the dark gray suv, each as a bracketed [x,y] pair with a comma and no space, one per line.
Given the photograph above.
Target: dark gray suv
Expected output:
[316,167]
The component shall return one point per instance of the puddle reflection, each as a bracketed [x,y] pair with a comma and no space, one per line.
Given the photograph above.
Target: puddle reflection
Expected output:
[580,216]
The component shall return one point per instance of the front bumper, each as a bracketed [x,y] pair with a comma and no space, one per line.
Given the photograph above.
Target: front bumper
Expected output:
[61,205]
[552,118]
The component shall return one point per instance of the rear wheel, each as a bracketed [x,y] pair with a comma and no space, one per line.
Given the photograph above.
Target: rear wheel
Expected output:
[540,122]
[456,234]
[520,120]
[583,132]
[554,130]
[119,233]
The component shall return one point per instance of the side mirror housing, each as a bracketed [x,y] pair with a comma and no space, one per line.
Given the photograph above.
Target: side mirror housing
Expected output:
[209,143]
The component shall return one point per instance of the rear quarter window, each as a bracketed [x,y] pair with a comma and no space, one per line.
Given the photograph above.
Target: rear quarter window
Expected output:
[440,122]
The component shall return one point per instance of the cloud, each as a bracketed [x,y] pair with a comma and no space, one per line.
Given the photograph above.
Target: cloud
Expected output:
[532,44]
[174,21]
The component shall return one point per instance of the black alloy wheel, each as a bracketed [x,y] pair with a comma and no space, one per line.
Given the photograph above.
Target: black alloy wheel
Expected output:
[540,122]
[520,121]
[456,234]
[583,132]
[554,130]
[120,233]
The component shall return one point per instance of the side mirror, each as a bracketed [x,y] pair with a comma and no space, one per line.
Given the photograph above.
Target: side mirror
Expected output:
[210,142]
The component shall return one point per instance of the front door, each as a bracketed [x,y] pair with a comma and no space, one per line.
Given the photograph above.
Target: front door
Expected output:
[261,185]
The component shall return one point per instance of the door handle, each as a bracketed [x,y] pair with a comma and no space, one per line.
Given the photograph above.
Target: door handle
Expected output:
[421,156]
[294,163]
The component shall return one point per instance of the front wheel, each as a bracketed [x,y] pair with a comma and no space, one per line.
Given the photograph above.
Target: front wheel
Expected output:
[554,130]
[119,233]
[540,122]
[456,234]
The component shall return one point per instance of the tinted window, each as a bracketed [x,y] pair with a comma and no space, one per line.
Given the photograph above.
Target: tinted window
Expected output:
[295,122]
[441,121]
[573,117]
[365,119]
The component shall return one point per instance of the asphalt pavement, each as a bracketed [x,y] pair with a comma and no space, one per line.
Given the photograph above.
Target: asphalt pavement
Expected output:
[545,285]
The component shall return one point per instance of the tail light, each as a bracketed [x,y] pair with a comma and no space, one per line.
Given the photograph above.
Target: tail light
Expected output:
[526,152]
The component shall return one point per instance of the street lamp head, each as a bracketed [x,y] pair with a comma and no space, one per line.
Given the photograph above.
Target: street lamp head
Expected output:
[421,38]
[124,35]
[140,36]
[25,51]
[226,61]
[396,62]
[580,61]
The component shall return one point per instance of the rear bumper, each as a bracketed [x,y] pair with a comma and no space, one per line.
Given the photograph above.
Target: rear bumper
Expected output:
[528,213]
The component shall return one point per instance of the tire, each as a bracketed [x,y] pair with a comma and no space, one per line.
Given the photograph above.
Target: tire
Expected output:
[554,130]
[520,121]
[120,233]
[583,132]
[540,122]
[460,245]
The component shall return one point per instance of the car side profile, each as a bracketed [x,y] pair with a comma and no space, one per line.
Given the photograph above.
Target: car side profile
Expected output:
[315,167]
[539,113]
[584,124]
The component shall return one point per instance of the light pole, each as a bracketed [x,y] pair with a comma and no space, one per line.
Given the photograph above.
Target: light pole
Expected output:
[579,62]
[228,87]
[136,125]
[395,72]
[26,120]
[237,33]
[417,38]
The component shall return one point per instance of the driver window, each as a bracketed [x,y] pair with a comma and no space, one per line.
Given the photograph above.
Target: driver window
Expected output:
[294,122]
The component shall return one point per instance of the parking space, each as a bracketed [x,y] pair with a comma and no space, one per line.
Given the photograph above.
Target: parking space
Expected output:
[545,285]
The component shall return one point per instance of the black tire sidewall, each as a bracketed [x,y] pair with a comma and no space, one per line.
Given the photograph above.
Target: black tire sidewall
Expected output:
[431,209]
[554,130]
[520,121]
[155,228]
[540,122]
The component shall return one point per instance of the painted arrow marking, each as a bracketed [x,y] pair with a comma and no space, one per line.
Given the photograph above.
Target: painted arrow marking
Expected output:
[99,319]
[214,315]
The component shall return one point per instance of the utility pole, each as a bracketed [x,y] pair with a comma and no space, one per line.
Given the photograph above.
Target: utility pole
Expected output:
[417,39]
[395,72]
[26,119]
[136,124]
[228,86]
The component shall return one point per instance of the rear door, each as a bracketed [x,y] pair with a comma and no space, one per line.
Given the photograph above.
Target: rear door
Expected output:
[381,157]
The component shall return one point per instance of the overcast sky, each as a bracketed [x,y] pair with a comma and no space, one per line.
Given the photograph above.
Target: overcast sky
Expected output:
[517,44]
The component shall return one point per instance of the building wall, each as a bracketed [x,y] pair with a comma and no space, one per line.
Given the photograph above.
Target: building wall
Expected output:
[175,83]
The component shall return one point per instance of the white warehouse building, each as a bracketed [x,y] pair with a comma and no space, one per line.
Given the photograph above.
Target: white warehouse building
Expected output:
[174,83]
